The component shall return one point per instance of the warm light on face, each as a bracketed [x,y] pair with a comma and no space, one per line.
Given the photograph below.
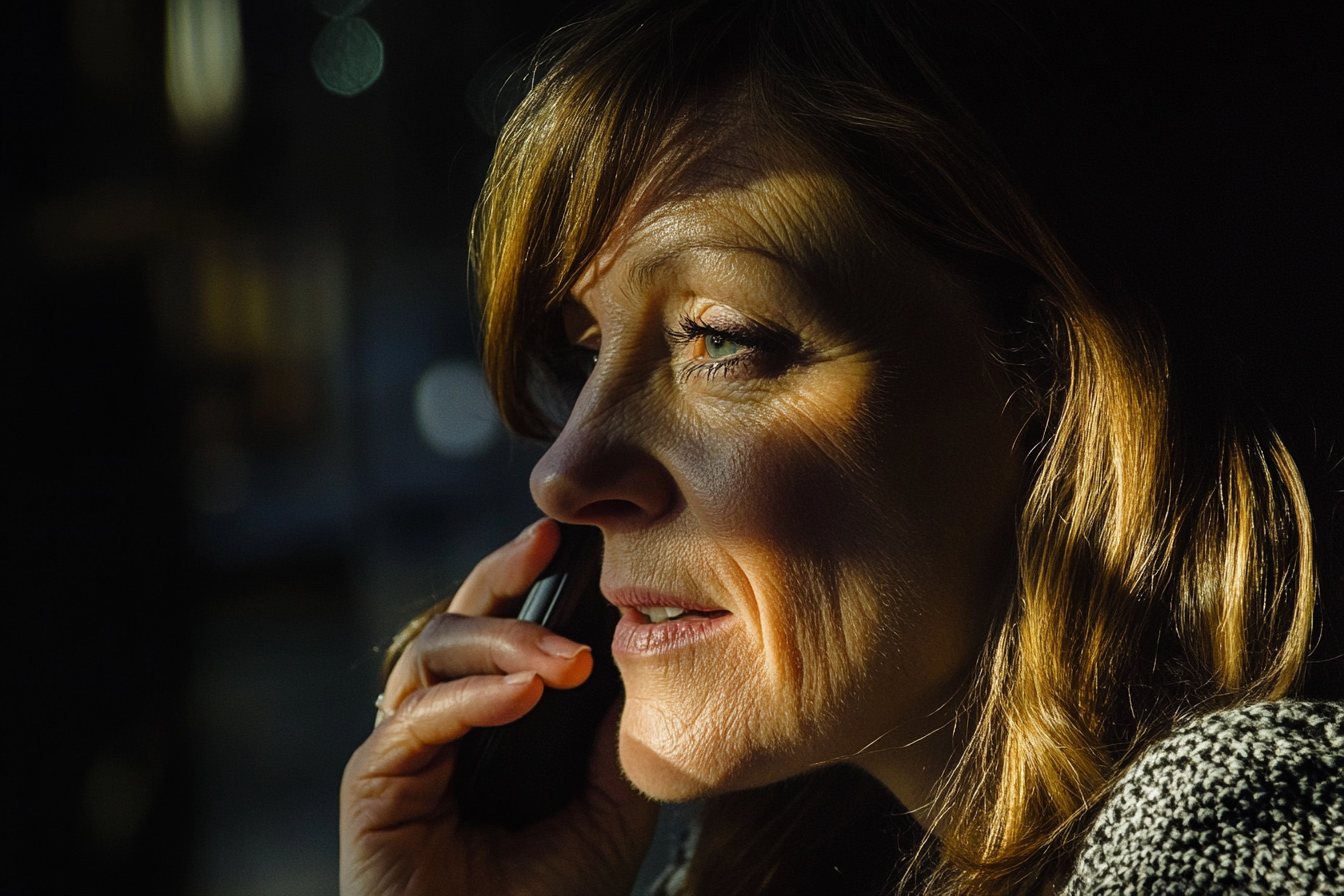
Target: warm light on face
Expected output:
[818,485]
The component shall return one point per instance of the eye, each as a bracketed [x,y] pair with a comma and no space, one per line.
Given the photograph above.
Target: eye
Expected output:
[584,339]
[587,359]
[719,345]
[718,350]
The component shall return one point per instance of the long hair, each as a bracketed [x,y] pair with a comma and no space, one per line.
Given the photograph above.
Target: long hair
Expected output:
[1161,571]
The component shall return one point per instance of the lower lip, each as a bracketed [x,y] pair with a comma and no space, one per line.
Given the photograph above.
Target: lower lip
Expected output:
[637,636]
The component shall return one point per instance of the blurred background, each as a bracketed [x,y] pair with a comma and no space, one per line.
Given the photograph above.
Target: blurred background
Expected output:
[248,433]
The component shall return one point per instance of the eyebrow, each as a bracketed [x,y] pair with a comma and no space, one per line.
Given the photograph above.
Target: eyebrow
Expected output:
[644,272]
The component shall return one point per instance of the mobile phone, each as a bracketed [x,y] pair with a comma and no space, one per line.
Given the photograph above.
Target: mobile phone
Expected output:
[517,774]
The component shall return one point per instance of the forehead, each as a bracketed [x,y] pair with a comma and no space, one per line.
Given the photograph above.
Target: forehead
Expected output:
[785,220]
[793,217]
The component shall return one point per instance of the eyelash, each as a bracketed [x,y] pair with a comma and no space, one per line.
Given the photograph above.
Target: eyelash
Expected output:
[758,347]
[754,345]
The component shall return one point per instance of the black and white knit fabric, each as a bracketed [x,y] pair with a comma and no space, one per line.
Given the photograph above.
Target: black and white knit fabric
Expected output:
[1245,801]
[1248,800]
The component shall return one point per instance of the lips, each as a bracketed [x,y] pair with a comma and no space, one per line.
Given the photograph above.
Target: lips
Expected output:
[657,623]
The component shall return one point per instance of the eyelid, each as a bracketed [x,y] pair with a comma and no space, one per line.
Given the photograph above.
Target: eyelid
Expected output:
[581,327]
[590,338]
[760,346]
[765,339]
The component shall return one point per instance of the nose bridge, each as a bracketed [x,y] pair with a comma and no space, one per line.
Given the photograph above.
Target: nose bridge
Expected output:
[602,469]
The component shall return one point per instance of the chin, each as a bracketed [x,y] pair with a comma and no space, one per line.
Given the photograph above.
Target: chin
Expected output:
[656,777]
[650,757]
[672,763]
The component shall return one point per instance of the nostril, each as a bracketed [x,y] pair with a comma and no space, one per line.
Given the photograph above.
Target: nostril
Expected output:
[609,511]
[601,488]
[596,474]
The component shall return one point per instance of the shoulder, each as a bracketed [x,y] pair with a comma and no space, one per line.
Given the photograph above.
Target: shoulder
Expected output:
[1248,800]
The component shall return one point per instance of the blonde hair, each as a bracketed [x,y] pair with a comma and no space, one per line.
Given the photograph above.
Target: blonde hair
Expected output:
[1160,573]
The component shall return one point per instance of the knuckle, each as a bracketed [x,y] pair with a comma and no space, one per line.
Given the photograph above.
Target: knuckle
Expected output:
[502,647]
[512,639]
[412,702]
[438,627]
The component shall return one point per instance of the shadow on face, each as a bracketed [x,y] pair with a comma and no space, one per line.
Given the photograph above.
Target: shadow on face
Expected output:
[797,451]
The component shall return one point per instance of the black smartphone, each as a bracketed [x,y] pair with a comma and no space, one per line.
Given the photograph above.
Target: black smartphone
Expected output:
[517,774]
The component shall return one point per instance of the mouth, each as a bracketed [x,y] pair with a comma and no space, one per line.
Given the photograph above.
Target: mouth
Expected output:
[658,623]
[660,615]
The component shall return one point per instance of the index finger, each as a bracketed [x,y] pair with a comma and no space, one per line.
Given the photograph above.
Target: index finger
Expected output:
[453,646]
[503,577]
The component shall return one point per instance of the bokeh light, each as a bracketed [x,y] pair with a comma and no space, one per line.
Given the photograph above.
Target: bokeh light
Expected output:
[204,66]
[453,410]
[348,56]
[251,434]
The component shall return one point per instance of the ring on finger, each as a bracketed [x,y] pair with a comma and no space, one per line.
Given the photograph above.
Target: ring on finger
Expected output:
[382,714]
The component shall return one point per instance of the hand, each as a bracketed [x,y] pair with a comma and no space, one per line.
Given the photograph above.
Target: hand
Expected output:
[400,831]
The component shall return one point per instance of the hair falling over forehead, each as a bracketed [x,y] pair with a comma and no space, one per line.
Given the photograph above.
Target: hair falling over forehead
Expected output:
[1156,577]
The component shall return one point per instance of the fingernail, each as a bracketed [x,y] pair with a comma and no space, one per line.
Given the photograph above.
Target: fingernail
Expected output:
[561,647]
[518,679]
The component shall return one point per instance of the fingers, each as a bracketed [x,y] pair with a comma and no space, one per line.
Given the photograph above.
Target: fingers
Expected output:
[453,646]
[431,717]
[621,820]
[466,670]
[398,824]
[400,774]
[506,575]
[465,641]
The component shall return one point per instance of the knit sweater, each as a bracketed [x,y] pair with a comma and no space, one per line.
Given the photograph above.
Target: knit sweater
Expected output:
[1245,801]
[1249,800]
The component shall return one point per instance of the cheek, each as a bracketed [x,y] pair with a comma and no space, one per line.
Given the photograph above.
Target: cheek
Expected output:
[776,517]
[848,624]
[791,475]
[815,552]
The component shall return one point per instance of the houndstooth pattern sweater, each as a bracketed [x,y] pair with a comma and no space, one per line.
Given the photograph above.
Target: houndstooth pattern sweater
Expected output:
[1244,801]
[1249,800]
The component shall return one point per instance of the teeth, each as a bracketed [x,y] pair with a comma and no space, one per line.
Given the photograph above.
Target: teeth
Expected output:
[661,614]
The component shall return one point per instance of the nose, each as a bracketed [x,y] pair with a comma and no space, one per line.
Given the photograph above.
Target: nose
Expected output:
[598,472]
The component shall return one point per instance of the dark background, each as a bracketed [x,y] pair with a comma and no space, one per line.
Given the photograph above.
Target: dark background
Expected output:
[220,497]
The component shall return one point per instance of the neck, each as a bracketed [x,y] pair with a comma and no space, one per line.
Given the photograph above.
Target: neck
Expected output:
[910,764]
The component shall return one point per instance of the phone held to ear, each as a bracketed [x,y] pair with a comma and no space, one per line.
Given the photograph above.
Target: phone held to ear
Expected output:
[517,774]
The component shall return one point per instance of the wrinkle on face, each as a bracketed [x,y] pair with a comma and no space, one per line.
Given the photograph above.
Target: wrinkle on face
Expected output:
[845,508]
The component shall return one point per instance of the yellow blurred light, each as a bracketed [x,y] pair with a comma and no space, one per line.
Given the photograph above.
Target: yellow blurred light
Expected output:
[237,299]
[204,65]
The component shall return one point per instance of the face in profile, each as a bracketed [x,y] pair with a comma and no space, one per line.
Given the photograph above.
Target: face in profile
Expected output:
[797,452]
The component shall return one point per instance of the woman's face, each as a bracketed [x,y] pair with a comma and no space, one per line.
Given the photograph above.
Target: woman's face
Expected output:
[791,438]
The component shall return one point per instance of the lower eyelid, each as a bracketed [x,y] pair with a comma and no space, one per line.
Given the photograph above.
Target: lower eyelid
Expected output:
[711,368]
[754,349]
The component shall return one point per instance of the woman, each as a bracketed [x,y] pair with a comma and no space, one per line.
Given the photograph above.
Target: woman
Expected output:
[829,388]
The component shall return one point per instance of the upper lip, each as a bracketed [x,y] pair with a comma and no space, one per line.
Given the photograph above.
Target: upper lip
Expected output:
[643,597]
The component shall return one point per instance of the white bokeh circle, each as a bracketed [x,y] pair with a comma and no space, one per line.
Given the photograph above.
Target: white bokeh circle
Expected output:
[453,410]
